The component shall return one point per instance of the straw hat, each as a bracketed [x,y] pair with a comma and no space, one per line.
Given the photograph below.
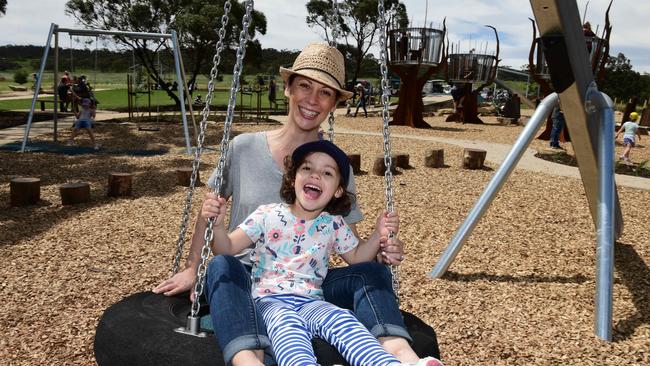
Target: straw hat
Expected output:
[321,63]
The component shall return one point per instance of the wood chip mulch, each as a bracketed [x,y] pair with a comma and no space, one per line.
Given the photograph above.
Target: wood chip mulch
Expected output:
[520,292]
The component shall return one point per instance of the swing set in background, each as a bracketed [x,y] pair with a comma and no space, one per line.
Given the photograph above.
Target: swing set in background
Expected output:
[54,34]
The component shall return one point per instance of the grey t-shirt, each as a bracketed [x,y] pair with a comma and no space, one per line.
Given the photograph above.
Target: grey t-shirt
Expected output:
[252,178]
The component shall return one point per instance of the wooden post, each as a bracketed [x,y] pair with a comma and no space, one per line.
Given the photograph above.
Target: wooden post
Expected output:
[24,191]
[378,168]
[184,175]
[401,161]
[434,158]
[119,184]
[355,162]
[473,158]
[73,193]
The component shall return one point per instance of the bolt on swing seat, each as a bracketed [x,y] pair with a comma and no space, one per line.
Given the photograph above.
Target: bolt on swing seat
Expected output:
[139,330]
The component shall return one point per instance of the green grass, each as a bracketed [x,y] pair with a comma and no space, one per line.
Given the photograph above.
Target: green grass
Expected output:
[117,99]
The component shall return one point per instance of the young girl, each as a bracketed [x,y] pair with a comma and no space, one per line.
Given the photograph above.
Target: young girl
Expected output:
[630,130]
[293,242]
[84,120]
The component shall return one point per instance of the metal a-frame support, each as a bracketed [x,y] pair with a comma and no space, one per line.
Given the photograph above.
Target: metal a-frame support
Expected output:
[54,32]
[590,120]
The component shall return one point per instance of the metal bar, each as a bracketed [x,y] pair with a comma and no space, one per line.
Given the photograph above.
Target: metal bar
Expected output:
[56,84]
[96,32]
[606,215]
[181,96]
[527,135]
[37,87]
[571,75]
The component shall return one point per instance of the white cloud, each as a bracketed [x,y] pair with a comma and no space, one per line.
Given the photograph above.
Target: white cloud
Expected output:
[28,21]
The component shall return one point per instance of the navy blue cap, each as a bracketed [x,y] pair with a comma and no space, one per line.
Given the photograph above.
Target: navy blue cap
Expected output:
[327,147]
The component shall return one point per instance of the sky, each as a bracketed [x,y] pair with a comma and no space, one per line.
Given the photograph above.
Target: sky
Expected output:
[28,22]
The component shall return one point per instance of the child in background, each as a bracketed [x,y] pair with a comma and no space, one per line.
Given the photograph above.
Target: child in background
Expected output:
[293,242]
[84,120]
[630,129]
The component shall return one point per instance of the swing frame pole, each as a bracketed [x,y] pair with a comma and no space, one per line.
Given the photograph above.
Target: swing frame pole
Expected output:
[494,186]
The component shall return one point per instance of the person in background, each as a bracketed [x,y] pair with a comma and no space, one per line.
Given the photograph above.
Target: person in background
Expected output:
[558,125]
[62,91]
[361,103]
[589,35]
[272,93]
[630,130]
[84,121]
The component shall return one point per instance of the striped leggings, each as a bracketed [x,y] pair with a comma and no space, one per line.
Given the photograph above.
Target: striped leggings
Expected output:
[292,321]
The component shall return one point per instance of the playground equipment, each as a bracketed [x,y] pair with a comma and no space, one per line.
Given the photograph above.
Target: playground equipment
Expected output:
[597,52]
[590,118]
[465,69]
[415,55]
[138,329]
[54,33]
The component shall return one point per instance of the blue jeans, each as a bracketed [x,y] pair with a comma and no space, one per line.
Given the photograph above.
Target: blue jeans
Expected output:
[558,126]
[364,288]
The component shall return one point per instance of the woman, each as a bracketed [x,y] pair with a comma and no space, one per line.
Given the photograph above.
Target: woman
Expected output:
[253,176]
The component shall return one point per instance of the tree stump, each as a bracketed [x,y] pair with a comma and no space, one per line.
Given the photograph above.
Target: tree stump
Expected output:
[473,158]
[434,158]
[355,162]
[24,191]
[119,184]
[378,168]
[401,160]
[184,175]
[73,193]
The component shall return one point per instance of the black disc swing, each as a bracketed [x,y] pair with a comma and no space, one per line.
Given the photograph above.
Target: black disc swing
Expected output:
[154,329]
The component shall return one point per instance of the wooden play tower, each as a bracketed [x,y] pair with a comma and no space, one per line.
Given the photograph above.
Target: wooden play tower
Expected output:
[415,55]
[465,69]
[598,52]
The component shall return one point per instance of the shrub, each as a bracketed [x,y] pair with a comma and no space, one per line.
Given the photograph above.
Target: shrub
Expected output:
[20,76]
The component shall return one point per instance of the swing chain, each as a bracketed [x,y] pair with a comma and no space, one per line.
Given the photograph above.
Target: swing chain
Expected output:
[335,36]
[199,143]
[206,251]
[385,99]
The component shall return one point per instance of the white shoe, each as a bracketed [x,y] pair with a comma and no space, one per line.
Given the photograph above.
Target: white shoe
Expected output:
[427,361]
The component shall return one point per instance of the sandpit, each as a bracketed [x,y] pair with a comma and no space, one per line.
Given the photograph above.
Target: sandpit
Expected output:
[521,291]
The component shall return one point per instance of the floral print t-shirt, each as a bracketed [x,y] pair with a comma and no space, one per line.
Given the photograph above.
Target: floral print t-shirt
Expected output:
[291,255]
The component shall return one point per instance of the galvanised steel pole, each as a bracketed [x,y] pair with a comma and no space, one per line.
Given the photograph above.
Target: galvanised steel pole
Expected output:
[536,121]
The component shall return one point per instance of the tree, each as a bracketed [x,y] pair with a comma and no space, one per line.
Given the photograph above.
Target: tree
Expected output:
[197,25]
[358,22]
[622,82]
[195,20]
[3,7]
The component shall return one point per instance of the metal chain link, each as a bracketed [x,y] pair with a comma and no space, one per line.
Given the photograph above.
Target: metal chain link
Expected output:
[335,36]
[216,60]
[385,97]
[207,250]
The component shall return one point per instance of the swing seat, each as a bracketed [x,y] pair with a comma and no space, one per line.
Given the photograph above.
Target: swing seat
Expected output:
[139,330]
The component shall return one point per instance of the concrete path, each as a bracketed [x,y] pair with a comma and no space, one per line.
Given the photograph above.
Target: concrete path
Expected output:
[15,134]
[497,153]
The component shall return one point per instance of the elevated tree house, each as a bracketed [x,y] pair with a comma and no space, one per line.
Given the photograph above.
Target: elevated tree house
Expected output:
[414,55]
[598,51]
[464,70]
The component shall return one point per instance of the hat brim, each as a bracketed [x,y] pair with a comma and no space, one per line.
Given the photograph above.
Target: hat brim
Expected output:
[317,76]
